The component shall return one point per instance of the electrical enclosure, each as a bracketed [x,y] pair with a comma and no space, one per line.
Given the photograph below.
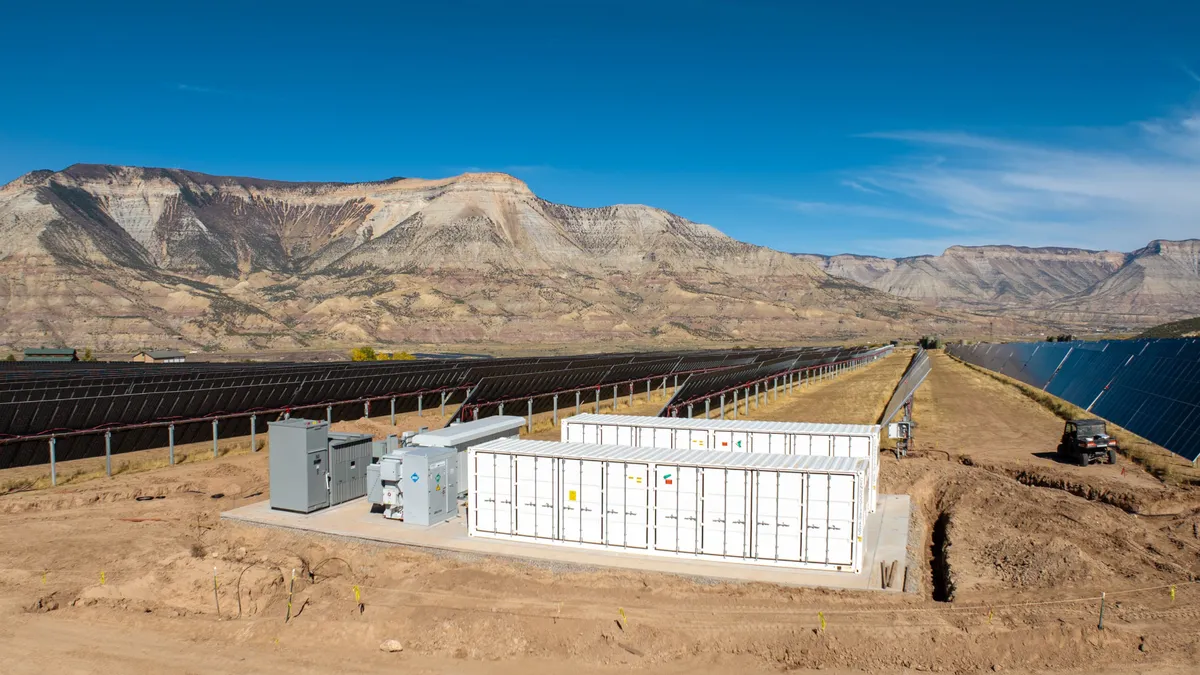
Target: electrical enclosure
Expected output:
[430,495]
[462,436]
[299,465]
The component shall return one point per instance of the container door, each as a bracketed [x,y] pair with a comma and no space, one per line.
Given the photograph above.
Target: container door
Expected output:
[737,513]
[626,504]
[760,442]
[608,434]
[535,496]
[842,531]
[491,499]
[700,440]
[739,441]
[663,438]
[801,444]
[722,440]
[318,488]
[779,517]
[666,508]
[779,444]
[575,433]
[841,446]
[625,436]
[590,433]
[816,518]
[581,496]
[725,512]
[860,446]
[821,446]
[646,437]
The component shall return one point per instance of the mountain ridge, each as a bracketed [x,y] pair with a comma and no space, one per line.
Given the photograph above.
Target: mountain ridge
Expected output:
[127,256]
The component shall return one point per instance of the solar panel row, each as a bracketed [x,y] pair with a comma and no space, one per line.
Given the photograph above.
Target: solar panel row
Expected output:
[1150,387]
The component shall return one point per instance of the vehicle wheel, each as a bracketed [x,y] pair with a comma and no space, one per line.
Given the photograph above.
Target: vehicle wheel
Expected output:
[1082,459]
[1112,456]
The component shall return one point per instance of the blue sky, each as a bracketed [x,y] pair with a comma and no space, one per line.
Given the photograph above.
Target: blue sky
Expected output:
[875,127]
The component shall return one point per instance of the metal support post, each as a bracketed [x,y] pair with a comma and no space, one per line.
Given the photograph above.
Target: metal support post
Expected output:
[477,413]
[664,388]
[647,390]
[722,406]
[367,409]
[171,444]
[755,397]
[53,464]
[597,400]
[108,453]
[254,433]
[329,414]
[501,411]
[215,439]
[746,399]
[706,407]
[689,411]
[529,415]
[443,404]
[576,401]
[735,404]
[616,397]
[420,405]
[676,380]
[554,415]
[393,411]
[630,394]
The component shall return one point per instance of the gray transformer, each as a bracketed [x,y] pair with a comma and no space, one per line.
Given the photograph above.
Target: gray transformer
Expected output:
[313,468]
[299,465]
[459,437]
[418,485]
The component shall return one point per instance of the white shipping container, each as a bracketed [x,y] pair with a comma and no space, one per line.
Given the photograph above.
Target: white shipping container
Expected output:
[787,438]
[772,509]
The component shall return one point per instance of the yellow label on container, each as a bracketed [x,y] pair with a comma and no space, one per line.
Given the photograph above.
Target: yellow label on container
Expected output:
[571,495]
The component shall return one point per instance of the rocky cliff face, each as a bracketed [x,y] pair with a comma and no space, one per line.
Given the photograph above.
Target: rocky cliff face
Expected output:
[122,257]
[1089,288]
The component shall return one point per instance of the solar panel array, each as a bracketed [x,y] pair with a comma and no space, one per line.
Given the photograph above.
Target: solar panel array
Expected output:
[1150,387]
[918,369]
[78,402]
[764,367]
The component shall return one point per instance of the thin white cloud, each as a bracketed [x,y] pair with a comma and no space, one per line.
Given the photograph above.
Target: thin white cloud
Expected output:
[195,89]
[1120,190]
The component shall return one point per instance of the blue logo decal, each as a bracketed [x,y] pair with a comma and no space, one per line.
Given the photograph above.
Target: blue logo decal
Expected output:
[415,478]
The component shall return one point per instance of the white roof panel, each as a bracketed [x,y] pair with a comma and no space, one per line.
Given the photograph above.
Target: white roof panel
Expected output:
[717,458]
[458,434]
[817,428]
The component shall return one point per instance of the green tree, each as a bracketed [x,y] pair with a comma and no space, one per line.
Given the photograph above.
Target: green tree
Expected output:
[88,356]
[10,357]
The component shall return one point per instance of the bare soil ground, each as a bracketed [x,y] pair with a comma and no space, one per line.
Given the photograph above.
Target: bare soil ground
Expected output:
[91,579]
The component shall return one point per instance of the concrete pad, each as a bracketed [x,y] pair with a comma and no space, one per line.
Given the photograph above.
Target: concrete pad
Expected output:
[887,540]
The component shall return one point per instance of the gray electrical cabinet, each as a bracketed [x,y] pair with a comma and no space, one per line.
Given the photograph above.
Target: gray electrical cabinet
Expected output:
[349,457]
[299,465]
[430,495]
[374,485]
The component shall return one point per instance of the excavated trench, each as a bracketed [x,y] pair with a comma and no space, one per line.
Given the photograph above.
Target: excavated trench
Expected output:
[943,579]
[1126,501]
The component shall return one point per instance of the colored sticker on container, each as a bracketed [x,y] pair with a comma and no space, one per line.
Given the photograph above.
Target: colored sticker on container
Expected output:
[415,477]
[571,495]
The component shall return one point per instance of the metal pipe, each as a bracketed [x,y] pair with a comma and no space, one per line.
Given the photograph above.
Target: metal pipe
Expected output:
[597,400]
[329,414]
[443,405]
[529,415]
[108,453]
[577,393]
[689,411]
[554,415]
[53,464]
[367,409]
[755,398]
[630,394]
[735,404]
[647,390]
[722,406]
[501,407]
[393,411]
[171,444]
[253,433]
[420,405]
[706,407]
[214,439]
[616,397]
